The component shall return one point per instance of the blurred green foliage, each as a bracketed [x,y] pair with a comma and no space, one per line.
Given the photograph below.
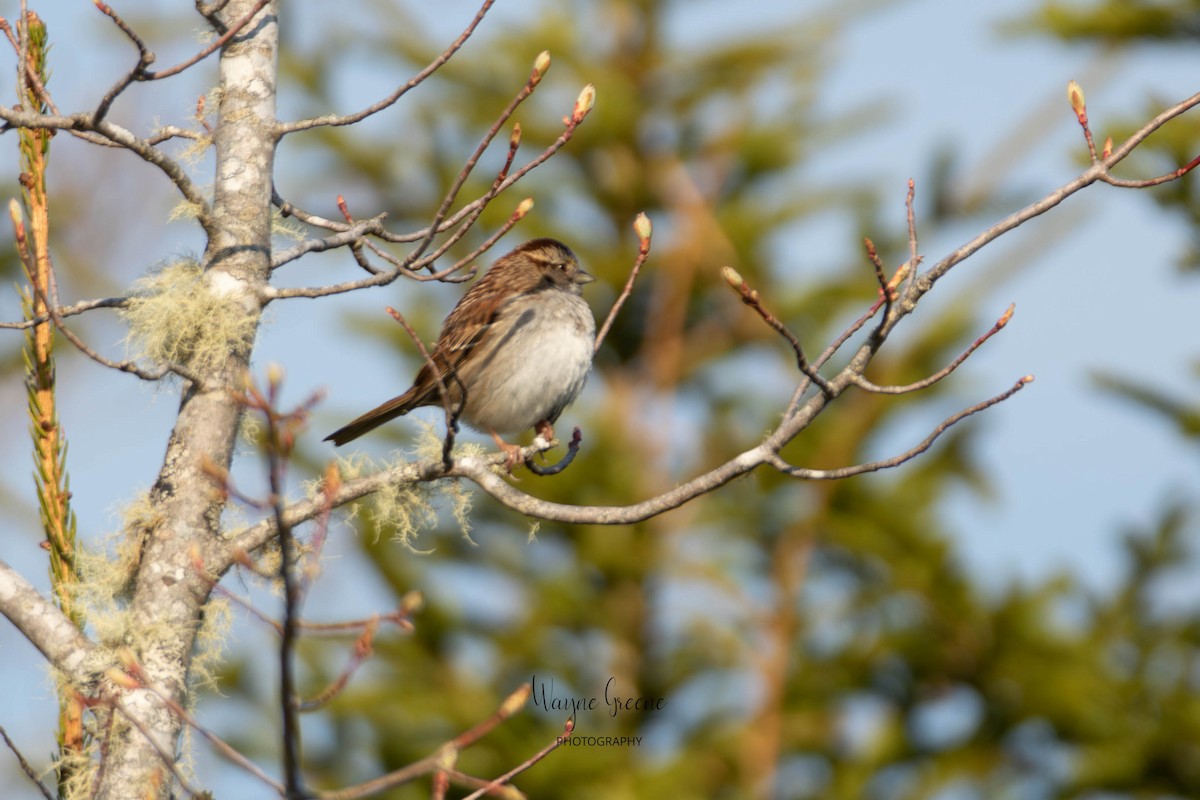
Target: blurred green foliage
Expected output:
[810,640]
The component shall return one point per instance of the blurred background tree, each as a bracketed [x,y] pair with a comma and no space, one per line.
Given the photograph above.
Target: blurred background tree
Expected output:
[812,641]
[819,640]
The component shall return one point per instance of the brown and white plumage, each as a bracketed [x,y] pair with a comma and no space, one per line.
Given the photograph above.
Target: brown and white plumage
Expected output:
[518,343]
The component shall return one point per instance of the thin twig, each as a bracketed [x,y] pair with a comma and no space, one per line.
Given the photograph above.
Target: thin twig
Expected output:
[1094,173]
[914,258]
[145,59]
[885,291]
[867,385]
[362,651]
[470,211]
[212,47]
[873,466]
[139,72]
[752,298]
[442,759]
[468,167]
[67,311]
[224,748]
[641,225]
[511,705]
[524,765]
[349,236]
[349,119]
[1161,179]
[449,274]
[271,293]
[451,414]
[166,758]
[572,123]
[116,136]
[29,771]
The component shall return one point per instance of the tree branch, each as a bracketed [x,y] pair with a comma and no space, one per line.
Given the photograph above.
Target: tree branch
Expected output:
[51,631]
[284,129]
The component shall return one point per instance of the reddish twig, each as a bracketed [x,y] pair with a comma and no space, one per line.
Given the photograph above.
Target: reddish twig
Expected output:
[451,414]
[362,651]
[535,77]
[1124,183]
[511,705]
[441,760]
[524,765]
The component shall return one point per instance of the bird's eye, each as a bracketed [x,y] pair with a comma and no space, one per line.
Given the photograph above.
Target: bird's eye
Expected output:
[561,266]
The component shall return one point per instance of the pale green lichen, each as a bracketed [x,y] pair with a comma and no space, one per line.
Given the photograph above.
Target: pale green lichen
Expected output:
[287,227]
[106,573]
[79,767]
[210,643]
[175,318]
[403,511]
[184,209]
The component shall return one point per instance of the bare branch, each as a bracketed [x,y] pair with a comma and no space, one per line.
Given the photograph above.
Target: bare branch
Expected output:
[865,384]
[751,298]
[442,759]
[350,236]
[1094,173]
[474,207]
[895,461]
[139,72]
[270,293]
[524,765]
[212,47]
[145,59]
[50,630]
[362,651]
[284,129]
[1161,179]
[120,137]
[535,77]
[67,311]
[29,771]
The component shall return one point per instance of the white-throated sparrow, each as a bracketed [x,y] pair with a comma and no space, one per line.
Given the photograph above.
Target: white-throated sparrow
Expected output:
[513,353]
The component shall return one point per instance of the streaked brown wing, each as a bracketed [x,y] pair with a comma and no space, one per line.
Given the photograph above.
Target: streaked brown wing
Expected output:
[467,326]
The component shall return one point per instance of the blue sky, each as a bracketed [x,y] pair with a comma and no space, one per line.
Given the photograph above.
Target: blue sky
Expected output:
[1101,292]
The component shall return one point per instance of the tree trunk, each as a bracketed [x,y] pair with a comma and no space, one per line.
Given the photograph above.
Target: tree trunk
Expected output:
[170,592]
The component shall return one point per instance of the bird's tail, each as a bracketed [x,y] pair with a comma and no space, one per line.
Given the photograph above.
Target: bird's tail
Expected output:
[396,407]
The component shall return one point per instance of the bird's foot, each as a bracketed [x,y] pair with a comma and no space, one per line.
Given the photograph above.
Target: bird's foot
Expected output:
[512,452]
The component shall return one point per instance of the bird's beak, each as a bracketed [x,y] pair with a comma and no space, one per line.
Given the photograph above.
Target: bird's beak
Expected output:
[582,277]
